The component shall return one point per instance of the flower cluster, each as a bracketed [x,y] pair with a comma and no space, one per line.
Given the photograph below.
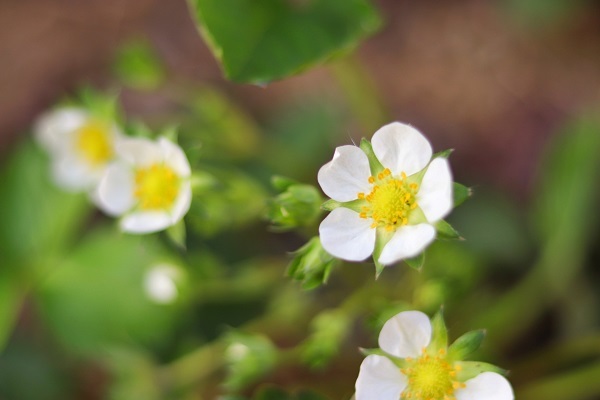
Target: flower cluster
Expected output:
[144,182]
[388,195]
[418,365]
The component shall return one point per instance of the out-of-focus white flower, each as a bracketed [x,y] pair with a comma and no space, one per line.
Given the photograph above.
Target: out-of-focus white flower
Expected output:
[389,199]
[160,283]
[415,371]
[148,185]
[80,144]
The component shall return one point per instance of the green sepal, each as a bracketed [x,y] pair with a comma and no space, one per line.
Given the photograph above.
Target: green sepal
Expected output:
[443,154]
[170,132]
[416,262]
[381,239]
[374,163]
[461,193]
[311,264]
[466,344]
[138,129]
[470,369]
[369,352]
[439,336]
[331,205]
[354,205]
[399,362]
[298,205]
[102,105]
[446,231]
[177,234]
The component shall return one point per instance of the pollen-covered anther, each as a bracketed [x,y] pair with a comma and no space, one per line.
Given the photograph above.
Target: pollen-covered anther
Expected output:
[156,187]
[430,377]
[390,201]
[93,142]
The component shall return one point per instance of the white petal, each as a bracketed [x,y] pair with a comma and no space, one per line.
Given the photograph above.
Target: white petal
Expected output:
[71,173]
[115,193]
[379,379]
[50,128]
[435,193]
[174,157]
[486,386]
[346,174]
[405,334]
[182,203]
[347,236]
[401,148]
[145,221]
[140,152]
[407,242]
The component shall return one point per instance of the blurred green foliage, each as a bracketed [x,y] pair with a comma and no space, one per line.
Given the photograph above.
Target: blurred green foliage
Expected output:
[73,297]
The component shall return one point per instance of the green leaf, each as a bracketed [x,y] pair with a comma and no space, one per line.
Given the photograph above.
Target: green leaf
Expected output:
[39,220]
[258,41]
[416,262]
[446,231]
[97,297]
[461,193]
[11,297]
[466,344]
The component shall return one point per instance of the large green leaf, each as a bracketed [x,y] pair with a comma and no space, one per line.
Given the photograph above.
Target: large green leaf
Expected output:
[97,296]
[258,41]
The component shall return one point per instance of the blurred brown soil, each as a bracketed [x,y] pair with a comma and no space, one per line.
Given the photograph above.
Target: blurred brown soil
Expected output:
[463,72]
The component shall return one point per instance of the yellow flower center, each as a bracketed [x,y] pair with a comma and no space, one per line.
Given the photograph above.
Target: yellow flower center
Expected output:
[390,200]
[431,378]
[94,143]
[156,187]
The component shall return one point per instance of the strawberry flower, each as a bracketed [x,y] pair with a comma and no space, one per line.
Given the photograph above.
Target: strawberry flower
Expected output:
[387,196]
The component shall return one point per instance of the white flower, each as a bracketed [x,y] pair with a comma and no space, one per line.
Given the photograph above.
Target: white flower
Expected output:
[423,375]
[399,205]
[160,283]
[80,145]
[149,185]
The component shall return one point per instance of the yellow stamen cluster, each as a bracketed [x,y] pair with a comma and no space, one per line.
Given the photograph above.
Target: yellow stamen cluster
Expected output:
[156,187]
[431,378]
[390,200]
[94,143]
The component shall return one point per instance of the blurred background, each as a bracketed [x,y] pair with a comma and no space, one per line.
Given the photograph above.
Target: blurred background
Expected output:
[513,86]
